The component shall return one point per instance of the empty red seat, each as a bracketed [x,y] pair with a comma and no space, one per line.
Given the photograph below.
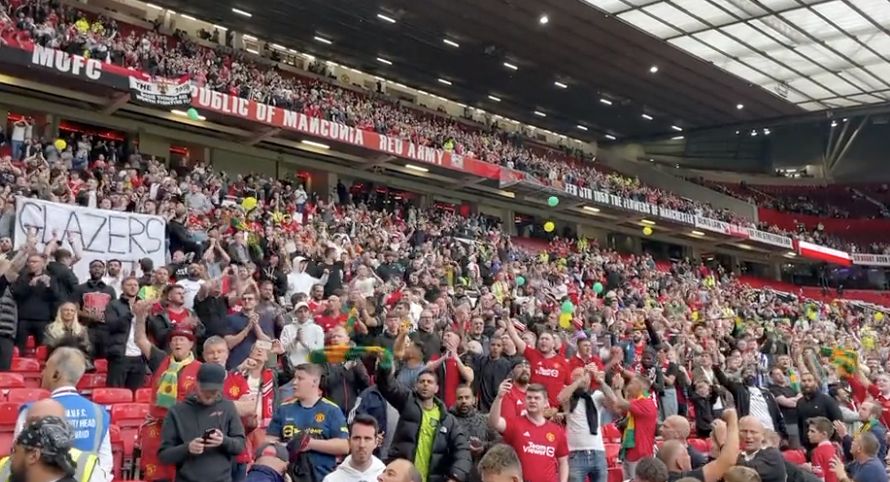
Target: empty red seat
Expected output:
[129,414]
[111,396]
[144,395]
[101,365]
[90,382]
[9,414]
[30,370]
[30,346]
[26,395]
[42,353]
[11,380]
[117,450]
[616,474]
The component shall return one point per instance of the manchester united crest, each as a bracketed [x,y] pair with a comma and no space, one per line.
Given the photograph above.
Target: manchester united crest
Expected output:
[551,436]
[319,417]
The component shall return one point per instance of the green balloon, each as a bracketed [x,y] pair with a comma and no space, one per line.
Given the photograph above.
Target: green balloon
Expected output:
[520,281]
[567,306]
[193,114]
[552,201]
[597,287]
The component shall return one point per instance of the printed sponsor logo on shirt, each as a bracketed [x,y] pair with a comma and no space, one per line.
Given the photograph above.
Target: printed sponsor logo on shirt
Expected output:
[538,449]
[547,372]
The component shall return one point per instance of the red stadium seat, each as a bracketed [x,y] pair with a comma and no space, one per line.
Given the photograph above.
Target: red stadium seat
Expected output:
[797,457]
[117,450]
[30,346]
[703,445]
[129,414]
[144,395]
[90,382]
[29,368]
[42,353]
[611,434]
[9,414]
[11,380]
[15,352]
[111,396]
[101,365]
[25,395]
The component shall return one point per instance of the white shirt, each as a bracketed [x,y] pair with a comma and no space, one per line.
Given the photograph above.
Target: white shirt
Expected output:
[114,282]
[106,459]
[347,473]
[191,291]
[300,283]
[759,408]
[311,336]
[577,429]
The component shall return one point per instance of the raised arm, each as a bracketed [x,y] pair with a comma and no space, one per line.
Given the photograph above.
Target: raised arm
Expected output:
[729,453]
[140,336]
[495,420]
[517,340]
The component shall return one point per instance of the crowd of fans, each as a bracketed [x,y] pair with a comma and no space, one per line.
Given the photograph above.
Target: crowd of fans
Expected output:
[324,338]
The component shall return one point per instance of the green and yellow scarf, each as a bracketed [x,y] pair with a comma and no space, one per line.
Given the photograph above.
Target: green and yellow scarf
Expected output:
[168,385]
[627,438]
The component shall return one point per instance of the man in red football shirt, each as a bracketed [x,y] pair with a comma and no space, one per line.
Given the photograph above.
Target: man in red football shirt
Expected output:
[513,402]
[541,445]
[548,368]
[641,407]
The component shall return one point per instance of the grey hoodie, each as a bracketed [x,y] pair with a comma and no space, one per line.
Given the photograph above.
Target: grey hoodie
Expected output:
[347,473]
[186,421]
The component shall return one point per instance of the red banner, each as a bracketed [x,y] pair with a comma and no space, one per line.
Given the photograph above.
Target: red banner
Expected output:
[253,111]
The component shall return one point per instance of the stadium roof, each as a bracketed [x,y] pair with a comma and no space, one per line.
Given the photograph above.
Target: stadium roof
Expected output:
[583,72]
[818,54]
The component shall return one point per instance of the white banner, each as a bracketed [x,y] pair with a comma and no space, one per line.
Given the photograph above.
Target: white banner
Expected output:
[770,238]
[169,94]
[97,233]
[871,259]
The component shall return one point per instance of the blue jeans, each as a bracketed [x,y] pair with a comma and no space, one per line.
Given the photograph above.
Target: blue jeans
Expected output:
[584,463]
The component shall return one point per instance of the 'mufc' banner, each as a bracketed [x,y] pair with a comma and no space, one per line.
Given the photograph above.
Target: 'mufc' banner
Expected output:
[168,94]
[97,233]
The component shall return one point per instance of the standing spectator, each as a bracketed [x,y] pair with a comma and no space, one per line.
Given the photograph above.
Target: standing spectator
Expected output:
[126,367]
[202,434]
[191,284]
[115,275]
[490,370]
[426,432]
[819,433]
[638,439]
[787,399]
[93,297]
[171,314]
[173,378]
[344,380]
[813,404]
[153,282]
[752,400]
[541,444]
[870,418]
[675,457]
[865,466]
[309,413]
[500,464]
[21,130]
[35,297]
[9,320]
[547,367]
[582,408]
[475,424]
[246,327]
[301,336]
[767,461]
[63,370]
[361,464]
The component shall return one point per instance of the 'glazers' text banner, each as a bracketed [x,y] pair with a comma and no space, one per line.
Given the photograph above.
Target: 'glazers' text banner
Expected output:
[324,129]
[97,233]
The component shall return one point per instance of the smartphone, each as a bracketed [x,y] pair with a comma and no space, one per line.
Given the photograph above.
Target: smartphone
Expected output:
[263,345]
[207,434]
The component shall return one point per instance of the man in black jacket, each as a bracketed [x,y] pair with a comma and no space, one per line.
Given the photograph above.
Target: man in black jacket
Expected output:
[126,368]
[203,434]
[426,422]
[814,403]
[35,297]
[93,296]
[753,400]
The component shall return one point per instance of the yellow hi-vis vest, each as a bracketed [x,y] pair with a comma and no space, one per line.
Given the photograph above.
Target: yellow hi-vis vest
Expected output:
[86,463]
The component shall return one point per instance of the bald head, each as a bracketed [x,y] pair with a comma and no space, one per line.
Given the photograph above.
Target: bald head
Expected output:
[672,454]
[47,407]
[675,427]
[751,434]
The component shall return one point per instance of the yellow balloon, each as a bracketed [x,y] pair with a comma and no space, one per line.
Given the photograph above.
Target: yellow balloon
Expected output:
[249,203]
[60,144]
[565,320]
[549,226]
[647,231]
[879,316]
[695,316]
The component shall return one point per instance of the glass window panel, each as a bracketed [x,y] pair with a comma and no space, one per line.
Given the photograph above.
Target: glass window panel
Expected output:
[751,36]
[821,55]
[648,24]
[610,6]
[811,106]
[707,10]
[844,17]
[675,17]
[840,102]
[809,22]
[742,10]
[719,41]
[783,91]
[810,88]
[877,10]
[870,80]
[838,84]
[699,49]
[768,65]
[878,41]
[745,72]
[867,98]
[795,61]
[882,70]
[856,51]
